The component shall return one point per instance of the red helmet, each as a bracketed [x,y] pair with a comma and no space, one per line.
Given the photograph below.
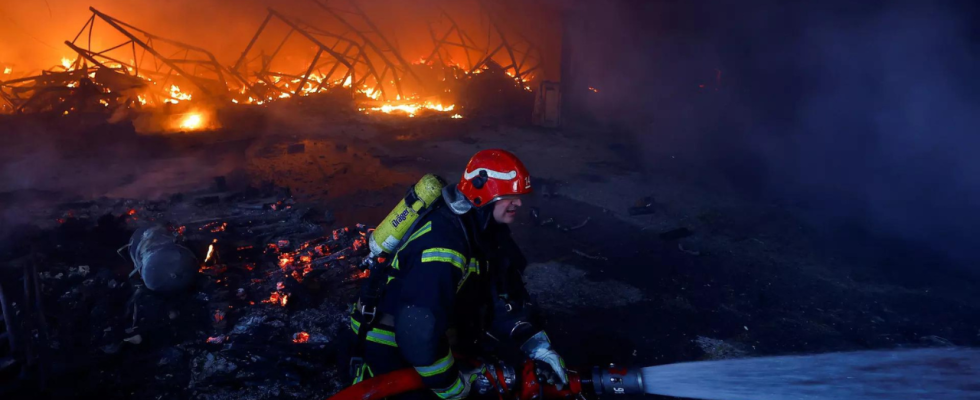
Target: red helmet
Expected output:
[492,174]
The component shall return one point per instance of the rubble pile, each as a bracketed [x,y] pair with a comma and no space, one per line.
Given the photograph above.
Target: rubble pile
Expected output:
[259,320]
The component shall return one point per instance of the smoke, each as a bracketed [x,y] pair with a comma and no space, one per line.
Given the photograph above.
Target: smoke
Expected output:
[887,129]
[863,112]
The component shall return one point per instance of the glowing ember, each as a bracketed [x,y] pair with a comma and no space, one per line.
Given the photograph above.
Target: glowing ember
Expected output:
[277,298]
[219,316]
[457,116]
[141,100]
[301,337]
[192,122]
[285,260]
[216,339]
[593,90]
[8,71]
[220,228]
[210,252]
[361,275]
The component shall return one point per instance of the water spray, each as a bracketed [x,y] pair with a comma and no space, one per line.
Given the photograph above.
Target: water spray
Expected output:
[945,373]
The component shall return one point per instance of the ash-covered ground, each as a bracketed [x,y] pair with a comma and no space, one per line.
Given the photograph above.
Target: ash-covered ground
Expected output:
[631,263]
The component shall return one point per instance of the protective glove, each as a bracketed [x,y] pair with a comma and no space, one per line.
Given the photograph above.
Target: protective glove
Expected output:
[460,389]
[538,348]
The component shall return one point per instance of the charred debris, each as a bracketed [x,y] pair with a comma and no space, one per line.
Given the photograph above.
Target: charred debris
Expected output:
[218,294]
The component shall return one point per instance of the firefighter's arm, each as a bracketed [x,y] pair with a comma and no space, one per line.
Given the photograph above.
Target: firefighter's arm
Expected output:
[515,316]
[427,299]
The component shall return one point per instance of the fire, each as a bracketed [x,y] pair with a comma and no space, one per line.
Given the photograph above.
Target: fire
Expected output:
[67,63]
[412,109]
[371,93]
[192,122]
[210,252]
[219,316]
[8,70]
[176,95]
[301,337]
[216,339]
[457,116]
[593,90]
[277,298]
[141,100]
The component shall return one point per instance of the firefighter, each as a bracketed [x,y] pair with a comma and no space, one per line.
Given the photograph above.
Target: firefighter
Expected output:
[455,286]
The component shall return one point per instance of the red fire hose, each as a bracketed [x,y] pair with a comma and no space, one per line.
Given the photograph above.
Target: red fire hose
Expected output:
[381,386]
[510,384]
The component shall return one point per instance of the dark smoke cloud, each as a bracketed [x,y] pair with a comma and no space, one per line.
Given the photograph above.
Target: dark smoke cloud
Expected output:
[888,127]
[864,112]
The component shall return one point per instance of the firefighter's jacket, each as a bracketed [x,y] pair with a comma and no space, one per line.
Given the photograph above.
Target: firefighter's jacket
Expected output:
[454,272]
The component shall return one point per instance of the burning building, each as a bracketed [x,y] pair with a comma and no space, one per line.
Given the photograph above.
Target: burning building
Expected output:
[339,48]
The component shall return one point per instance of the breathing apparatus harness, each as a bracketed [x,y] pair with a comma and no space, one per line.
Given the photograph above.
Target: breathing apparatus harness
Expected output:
[385,242]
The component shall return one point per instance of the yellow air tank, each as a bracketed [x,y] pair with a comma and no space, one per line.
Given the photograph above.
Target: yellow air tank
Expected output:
[389,233]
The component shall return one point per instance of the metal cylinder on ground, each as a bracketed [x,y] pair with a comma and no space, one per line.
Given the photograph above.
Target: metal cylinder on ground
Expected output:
[164,264]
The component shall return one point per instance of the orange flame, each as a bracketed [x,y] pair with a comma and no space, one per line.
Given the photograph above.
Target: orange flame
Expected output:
[411,108]
[301,337]
[176,96]
[191,122]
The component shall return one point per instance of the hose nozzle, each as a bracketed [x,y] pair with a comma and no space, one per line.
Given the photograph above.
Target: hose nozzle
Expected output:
[613,379]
